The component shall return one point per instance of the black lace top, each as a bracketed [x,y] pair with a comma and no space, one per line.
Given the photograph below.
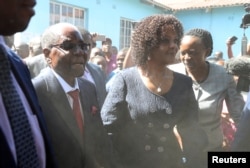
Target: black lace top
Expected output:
[141,123]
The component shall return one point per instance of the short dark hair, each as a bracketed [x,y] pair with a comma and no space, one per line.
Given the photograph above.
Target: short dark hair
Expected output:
[107,40]
[205,37]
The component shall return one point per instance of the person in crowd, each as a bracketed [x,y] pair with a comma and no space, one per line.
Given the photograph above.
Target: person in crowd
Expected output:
[93,72]
[22,49]
[110,58]
[69,102]
[211,84]
[35,47]
[101,62]
[142,109]
[242,135]
[24,140]
[36,64]
[36,60]
[96,51]
[230,42]
[114,50]
[218,55]
[128,62]
[217,58]
[119,61]
[9,41]
[239,68]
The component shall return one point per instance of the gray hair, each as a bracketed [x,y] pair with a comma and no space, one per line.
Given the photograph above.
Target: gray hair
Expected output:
[53,34]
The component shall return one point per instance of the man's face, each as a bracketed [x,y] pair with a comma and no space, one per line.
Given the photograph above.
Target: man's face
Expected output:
[87,38]
[15,15]
[69,55]
[22,50]
[106,47]
[120,59]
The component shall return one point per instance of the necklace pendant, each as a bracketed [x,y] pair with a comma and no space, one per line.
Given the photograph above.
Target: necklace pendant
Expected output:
[158,89]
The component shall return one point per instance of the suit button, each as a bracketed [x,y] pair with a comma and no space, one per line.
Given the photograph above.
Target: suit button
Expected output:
[160,149]
[168,110]
[150,125]
[166,125]
[163,139]
[147,147]
[184,160]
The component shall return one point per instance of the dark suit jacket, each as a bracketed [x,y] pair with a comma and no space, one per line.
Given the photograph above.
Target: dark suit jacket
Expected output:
[35,64]
[71,148]
[22,76]
[100,80]
[242,135]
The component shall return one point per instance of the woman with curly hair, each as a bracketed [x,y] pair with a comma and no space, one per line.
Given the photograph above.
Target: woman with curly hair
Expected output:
[149,106]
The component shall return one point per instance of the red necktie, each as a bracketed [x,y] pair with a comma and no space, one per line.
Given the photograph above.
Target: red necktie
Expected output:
[76,108]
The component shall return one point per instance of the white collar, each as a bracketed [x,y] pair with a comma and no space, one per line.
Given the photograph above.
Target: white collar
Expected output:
[66,87]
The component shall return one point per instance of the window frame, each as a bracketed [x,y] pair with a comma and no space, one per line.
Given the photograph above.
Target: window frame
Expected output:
[126,29]
[63,12]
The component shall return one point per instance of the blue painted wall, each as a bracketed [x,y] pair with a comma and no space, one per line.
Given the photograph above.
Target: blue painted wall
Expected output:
[103,16]
[221,22]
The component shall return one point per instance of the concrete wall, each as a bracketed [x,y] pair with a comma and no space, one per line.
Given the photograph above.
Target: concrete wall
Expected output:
[221,22]
[103,16]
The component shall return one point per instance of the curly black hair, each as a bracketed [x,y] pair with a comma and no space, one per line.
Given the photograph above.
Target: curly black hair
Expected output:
[205,37]
[149,33]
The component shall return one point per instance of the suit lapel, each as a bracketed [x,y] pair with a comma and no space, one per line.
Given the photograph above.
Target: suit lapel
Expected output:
[60,101]
[95,77]
[22,78]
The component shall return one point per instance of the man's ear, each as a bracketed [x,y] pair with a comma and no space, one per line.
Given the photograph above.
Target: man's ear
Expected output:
[46,53]
[208,52]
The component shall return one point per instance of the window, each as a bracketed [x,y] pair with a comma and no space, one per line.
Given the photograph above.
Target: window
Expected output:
[66,13]
[126,27]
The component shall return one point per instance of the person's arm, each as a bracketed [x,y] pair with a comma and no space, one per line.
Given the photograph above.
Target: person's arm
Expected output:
[229,49]
[193,138]
[128,62]
[234,100]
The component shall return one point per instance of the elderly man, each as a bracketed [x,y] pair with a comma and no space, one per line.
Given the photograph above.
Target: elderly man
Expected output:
[69,103]
[24,140]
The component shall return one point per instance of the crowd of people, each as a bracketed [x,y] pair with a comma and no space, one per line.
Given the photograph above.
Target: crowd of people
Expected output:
[64,102]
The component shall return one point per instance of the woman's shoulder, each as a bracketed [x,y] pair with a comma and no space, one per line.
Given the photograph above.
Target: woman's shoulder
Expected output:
[181,77]
[218,72]
[217,68]
[128,72]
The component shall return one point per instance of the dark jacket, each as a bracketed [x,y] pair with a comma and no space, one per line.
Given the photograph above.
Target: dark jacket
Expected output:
[22,76]
[72,149]
[242,135]
[141,123]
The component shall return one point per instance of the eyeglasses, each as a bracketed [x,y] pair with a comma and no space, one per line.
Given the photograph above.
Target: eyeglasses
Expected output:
[69,46]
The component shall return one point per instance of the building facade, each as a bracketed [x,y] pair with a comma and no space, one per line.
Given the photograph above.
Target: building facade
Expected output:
[115,18]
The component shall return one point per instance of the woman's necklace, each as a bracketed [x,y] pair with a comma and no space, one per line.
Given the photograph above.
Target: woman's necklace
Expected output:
[158,87]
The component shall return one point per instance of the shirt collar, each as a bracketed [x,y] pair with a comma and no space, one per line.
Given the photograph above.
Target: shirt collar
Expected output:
[66,87]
